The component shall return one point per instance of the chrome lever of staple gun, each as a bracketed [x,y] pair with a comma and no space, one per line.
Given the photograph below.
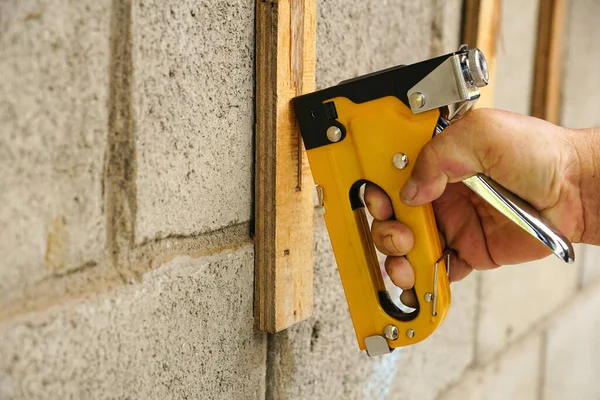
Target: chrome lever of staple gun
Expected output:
[518,211]
[456,83]
[469,74]
[522,214]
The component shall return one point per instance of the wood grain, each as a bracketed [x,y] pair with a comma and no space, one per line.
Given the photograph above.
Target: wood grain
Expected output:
[285,68]
[481,25]
[546,97]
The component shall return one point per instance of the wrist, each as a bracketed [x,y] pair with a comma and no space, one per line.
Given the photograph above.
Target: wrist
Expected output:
[586,143]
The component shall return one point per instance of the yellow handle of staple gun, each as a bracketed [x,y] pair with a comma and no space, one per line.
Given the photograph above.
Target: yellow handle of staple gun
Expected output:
[371,129]
[376,131]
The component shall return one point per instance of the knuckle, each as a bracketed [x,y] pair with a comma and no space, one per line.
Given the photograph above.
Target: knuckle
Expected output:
[428,156]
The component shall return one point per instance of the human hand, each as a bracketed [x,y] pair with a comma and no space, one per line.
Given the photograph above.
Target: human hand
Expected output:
[530,157]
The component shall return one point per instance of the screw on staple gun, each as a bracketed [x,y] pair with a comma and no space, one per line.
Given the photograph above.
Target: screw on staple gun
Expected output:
[369,129]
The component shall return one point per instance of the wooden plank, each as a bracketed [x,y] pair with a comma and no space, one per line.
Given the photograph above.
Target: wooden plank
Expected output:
[481,24]
[285,67]
[546,97]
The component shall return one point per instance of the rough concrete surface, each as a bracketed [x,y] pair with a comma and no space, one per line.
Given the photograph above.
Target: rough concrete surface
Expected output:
[53,117]
[193,111]
[446,27]
[515,375]
[366,36]
[426,370]
[581,81]
[515,297]
[185,332]
[572,348]
[581,89]
[320,359]
[515,55]
[590,273]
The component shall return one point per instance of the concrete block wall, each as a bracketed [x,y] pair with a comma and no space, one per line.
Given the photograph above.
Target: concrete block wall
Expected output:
[126,131]
[55,69]
[193,105]
[126,151]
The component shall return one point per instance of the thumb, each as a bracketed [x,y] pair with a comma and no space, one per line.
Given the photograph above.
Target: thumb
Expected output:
[456,154]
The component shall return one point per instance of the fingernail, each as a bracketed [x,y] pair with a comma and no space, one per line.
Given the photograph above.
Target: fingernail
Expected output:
[409,191]
[390,246]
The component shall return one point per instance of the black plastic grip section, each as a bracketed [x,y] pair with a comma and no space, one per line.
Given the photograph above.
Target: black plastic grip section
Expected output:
[330,111]
[314,118]
[393,311]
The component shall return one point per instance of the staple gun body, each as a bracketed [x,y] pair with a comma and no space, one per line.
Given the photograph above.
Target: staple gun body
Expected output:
[371,129]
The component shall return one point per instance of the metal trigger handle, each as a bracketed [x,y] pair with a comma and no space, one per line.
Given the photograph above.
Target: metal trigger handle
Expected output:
[522,214]
[455,83]
[517,210]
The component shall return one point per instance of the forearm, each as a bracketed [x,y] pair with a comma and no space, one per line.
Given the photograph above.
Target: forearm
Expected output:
[587,145]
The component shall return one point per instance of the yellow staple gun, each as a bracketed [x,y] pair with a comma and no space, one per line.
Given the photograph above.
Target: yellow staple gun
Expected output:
[370,129]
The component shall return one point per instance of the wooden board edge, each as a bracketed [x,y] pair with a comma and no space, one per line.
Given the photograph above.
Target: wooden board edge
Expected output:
[547,84]
[481,25]
[283,214]
[265,151]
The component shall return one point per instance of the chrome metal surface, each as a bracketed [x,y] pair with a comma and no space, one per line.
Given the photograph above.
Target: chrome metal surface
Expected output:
[334,134]
[478,67]
[416,100]
[441,126]
[377,346]
[410,333]
[391,332]
[400,160]
[522,214]
[460,109]
[444,86]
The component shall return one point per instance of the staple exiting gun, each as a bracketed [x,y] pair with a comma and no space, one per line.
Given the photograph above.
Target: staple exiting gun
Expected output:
[369,129]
